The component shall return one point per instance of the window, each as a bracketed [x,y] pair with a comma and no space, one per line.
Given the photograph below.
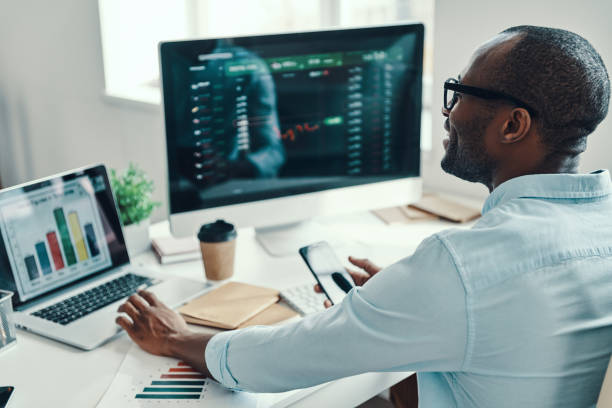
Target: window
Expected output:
[132,30]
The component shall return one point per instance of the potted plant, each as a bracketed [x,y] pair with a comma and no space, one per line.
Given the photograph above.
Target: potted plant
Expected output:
[133,191]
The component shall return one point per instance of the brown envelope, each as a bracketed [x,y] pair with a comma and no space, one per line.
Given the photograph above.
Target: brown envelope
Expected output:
[273,314]
[229,305]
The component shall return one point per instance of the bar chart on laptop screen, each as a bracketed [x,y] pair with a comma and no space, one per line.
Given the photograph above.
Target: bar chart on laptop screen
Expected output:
[54,234]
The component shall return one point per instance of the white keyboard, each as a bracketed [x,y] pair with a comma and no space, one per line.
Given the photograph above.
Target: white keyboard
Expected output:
[304,299]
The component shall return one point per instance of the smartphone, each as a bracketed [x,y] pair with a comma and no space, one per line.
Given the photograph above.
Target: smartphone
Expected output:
[328,271]
[5,395]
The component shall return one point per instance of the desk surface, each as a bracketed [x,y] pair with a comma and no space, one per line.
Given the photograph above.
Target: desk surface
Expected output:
[47,373]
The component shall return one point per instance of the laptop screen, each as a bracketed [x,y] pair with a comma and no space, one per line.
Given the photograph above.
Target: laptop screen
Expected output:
[56,231]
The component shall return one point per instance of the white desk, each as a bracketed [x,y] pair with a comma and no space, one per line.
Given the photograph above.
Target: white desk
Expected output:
[46,373]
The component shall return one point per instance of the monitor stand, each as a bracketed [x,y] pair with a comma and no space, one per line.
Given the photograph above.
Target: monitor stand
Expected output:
[286,239]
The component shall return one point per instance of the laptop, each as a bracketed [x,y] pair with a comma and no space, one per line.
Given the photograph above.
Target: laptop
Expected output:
[63,254]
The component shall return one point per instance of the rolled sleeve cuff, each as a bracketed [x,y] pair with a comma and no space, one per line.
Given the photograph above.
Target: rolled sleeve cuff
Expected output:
[215,356]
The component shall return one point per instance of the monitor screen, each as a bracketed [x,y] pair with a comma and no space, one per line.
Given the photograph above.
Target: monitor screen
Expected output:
[254,118]
[58,230]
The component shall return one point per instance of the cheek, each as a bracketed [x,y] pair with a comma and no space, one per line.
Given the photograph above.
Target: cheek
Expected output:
[457,110]
[490,140]
[456,123]
[457,116]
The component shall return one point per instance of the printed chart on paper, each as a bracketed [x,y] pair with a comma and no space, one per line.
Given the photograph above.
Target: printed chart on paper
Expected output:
[145,380]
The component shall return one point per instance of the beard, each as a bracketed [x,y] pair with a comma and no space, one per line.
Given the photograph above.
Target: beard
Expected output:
[466,156]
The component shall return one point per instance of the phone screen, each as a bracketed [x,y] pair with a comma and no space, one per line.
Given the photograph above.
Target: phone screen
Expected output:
[5,394]
[323,262]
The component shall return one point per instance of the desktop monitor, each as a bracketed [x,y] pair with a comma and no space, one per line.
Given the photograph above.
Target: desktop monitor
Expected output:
[268,131]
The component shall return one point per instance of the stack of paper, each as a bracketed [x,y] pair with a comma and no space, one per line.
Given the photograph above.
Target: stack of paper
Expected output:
[446,209]
[429,206]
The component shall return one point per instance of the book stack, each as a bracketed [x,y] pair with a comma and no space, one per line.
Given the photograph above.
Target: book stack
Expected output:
[170,249]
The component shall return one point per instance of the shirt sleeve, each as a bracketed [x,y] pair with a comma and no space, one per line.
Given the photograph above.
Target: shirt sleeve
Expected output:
[411,316]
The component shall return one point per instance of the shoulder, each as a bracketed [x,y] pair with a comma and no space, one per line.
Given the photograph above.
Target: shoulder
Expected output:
[510,240]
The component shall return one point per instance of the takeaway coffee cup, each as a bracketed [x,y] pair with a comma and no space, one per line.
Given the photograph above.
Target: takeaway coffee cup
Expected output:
[218,245]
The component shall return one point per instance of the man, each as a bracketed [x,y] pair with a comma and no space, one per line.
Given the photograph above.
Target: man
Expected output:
[516,311]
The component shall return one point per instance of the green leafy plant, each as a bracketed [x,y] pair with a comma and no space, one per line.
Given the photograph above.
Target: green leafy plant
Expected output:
[133,191]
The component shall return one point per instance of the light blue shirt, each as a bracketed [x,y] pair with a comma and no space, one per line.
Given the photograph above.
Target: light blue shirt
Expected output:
[514,312]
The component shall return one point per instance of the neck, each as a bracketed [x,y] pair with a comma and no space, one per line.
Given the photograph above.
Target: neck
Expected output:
[550,164]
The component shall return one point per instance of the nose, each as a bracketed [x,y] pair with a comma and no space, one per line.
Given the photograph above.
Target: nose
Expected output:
[445,112]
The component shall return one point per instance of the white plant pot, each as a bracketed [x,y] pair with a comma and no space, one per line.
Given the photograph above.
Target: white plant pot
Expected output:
[137,237]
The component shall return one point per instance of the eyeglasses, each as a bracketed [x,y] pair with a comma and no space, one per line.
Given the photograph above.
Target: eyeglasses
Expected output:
[453,85]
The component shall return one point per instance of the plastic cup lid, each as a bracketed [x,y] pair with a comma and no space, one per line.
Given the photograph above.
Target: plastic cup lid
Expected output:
[218,231]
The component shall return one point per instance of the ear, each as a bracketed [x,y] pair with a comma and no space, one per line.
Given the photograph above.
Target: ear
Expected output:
[516,126]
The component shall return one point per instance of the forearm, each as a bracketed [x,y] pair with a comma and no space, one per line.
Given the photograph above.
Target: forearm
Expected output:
[190,348]
[300,354]
[398,321]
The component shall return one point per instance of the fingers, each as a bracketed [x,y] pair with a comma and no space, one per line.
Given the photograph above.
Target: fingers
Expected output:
[129,309]
[128,327]
[124,323]
[364,264]
[358,277]
[151,298]
[318,289]
[138,302]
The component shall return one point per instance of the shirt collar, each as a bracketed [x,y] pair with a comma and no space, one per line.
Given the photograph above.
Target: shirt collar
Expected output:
[591,185]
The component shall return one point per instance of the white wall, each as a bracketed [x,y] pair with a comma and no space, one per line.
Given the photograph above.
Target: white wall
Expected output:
[461,26]
[53,116]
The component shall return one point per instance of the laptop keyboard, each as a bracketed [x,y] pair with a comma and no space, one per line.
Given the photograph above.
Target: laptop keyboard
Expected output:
[75,307]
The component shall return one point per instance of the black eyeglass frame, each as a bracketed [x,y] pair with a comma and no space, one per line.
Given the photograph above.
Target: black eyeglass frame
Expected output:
[483,93]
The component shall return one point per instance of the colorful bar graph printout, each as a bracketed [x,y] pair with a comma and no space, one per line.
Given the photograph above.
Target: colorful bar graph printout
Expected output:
[77,234]
[177,382]
[30,262]
[182,370]
[167,396]
[62,227]
[56,252]
[172,389]
[91,240]
[43,258]
[190,376]
[175,389]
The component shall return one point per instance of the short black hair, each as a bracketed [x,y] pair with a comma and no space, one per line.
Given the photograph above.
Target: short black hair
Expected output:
[563,78]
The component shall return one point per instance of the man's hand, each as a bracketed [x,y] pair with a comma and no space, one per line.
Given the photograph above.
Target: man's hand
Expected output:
[160,330]
[153,325]
[359,277]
